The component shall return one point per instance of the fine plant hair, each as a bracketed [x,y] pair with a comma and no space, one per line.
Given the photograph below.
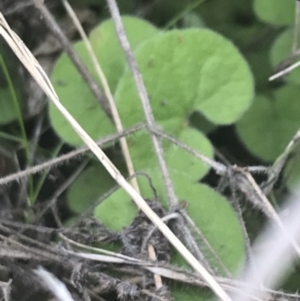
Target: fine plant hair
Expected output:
[75,154]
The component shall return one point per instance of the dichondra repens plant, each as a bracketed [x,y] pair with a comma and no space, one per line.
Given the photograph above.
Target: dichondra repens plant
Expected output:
[184,71]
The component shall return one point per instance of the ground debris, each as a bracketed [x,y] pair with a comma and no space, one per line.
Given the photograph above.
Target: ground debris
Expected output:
[141,233]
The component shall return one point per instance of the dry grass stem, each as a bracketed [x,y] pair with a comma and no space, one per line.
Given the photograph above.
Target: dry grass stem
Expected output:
[54,285]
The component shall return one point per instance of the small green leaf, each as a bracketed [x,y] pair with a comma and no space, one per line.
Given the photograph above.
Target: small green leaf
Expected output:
[93,182]
[115,212]
[76,96]
[180,160]
[280,53]
[210,211]
[187,70]
[184,72]
[74,92]
[270,124]
[8,109]
[276,12]
[107,46]
[144,157]
[292,172]
[183,291]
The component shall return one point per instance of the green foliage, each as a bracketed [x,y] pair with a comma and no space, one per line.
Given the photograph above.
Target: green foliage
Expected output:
[106,45]
[93,183]
[270,123]
[276,12]
[182,291]
[185,73]
[73,91]
[281,51]
[292,173]
[210,212]
[233,19]
[8,110]
[11,89]
[221,89]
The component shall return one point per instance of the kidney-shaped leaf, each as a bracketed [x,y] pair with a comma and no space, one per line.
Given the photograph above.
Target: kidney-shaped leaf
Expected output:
[280,55]
[187,70]
[277,12]
[74,92]
[208,209]
[94,182]
[270,124]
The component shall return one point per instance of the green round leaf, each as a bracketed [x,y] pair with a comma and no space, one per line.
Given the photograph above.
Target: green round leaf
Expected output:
[261,68]
[281,51]
[107,46]
[76,96]
[8,110]
[86,189]
[276,12]
[115,212]
[144,156]
[187,70]
[74,92]
[292,173]
[270,124]
[209,210]
[180,160]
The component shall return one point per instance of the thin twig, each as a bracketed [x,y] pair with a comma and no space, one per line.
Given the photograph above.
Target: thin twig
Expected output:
[69,49]
[219,168]
[107,91]
[269,209]
[65,158]
[206,242]
[60,190]
[275,170]
[141,89]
